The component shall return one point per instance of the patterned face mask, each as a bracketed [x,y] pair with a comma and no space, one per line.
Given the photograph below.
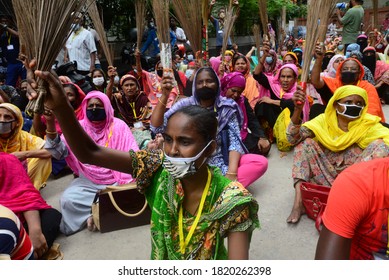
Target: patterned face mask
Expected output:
[183,167]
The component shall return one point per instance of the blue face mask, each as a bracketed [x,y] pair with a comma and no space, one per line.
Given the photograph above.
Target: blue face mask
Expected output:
[260,53]
[269,60]
[96,114]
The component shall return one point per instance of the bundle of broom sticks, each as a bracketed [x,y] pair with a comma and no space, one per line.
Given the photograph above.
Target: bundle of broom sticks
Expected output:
[43,30]
[99,27]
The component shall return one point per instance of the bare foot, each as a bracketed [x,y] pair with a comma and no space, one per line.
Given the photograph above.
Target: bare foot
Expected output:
[295,215]
[90,224]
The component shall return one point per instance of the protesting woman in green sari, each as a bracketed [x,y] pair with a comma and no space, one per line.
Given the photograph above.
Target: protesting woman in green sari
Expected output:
[193,206]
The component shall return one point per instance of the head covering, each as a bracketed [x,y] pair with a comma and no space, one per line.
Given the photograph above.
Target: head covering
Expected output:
[352,47]
[331,71]
[362,41]
[327,57]
[19,140]
[361,131]
[16,189]
[375,107]
[215,62]
[225,108]
[228,52]
[80,95]
[293,55]
[358,54]
[129,77]
[236,79]
[112,133]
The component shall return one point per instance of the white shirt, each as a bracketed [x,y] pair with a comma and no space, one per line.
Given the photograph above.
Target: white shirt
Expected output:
[80,46]
[180,34]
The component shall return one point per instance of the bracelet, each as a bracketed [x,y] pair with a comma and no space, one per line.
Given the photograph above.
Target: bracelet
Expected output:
[231,173]
[159,100]
[51,132]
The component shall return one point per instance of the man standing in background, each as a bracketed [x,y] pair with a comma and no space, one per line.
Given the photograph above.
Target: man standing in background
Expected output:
[351,22]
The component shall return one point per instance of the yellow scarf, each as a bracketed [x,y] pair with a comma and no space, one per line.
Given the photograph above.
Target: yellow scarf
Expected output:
[361,131]
[19,140]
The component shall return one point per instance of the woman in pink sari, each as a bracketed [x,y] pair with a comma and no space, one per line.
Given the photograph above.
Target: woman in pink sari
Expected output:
[106,130]
[19,195]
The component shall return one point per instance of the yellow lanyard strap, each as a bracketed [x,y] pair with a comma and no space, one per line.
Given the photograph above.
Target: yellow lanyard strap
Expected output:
[185,243]
[109,135]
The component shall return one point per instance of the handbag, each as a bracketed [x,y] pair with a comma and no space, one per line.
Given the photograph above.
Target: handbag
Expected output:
[120,207]
[314,199]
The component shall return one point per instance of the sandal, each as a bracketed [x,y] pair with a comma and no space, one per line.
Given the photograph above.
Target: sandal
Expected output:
[54,253]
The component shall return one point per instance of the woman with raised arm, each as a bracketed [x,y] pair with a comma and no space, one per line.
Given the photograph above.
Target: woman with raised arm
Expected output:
[193,206]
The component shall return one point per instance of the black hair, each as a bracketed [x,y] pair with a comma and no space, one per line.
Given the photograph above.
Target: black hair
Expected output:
[236,57]
[102,73]
[204,120]
[212,73]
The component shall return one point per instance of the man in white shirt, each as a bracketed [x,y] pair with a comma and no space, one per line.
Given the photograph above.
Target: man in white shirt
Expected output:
[178,31]
[81,47]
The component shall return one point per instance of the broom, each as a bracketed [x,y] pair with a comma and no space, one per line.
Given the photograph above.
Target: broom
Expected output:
[231,16]
[43,30]
[263,16]
[140,15]
[317,22]
[257,37]
[190,20]
[161,15]
[204,30]
[99,27]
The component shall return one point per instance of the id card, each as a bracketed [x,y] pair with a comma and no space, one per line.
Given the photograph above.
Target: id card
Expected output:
[138,124]
[10,47]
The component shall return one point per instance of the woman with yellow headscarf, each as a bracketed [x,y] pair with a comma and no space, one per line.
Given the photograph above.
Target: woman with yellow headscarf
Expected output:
[343,135]
[29,149]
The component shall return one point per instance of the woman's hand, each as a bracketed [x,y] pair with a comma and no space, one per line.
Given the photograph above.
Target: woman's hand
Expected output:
[111,72]
[38,242]
[265,99]
[55,97]
[22,156]
[167,84]
[264,145]
[299,98]
[319,51]
[231,176]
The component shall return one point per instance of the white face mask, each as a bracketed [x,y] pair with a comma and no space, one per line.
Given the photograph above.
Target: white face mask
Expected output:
[190,57]
[98,81]
[116,80]
[183,167]
[6,127]
[189,73]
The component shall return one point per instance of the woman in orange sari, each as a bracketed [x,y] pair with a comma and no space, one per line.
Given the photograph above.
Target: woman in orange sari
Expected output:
[350,72]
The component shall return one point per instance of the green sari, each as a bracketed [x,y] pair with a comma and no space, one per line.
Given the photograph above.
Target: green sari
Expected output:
[228,207]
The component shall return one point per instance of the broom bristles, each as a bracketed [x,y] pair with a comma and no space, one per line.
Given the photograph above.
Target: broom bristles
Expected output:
[231,16]
[317,22]
[98,25]
[43,30]
[140,12]
[257,36]
[191,21]
[161,15]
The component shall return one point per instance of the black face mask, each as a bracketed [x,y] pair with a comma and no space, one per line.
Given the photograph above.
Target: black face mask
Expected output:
[349,78]
[206,93]
[97,114]
[369,62]
[159,73]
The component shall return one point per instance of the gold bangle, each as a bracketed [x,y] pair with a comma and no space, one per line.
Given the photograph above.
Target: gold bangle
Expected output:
[231,173]
[51,132]
[159,100]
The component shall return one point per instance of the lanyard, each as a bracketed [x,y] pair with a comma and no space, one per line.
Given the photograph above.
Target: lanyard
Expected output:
[9,38]
[132,104]
[282,92]
[109,135]
[185,243]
